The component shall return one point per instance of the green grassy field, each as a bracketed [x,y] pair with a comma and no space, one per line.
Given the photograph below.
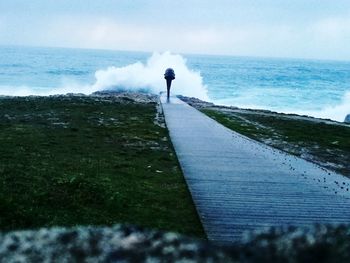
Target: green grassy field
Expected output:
[87,160]
[321,142]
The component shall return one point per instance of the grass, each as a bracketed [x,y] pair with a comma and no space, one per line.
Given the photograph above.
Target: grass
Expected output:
[321,142]
[89,161]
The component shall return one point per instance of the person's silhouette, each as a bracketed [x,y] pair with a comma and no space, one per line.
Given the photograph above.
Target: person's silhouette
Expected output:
[169,76]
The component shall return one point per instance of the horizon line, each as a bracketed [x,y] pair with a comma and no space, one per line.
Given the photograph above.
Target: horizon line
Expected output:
[182,53]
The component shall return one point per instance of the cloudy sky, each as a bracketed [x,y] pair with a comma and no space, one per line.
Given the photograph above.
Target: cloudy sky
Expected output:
[271,28]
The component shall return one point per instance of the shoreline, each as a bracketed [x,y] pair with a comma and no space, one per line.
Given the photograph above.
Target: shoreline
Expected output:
[140,97]
[197,103]
[144,97]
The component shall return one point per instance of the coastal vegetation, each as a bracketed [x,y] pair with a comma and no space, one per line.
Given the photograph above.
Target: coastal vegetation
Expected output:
[89,160]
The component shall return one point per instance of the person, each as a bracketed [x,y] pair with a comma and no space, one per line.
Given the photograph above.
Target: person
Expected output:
[169,76]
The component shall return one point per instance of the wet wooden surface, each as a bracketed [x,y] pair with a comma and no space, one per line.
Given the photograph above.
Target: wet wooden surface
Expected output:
[238,184]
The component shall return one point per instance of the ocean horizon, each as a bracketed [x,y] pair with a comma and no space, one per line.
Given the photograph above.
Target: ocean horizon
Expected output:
[318,88]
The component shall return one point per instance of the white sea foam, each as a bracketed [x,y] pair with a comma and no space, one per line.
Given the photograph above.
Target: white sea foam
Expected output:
[21,91]
[337,112]
[17,91]
[149,77]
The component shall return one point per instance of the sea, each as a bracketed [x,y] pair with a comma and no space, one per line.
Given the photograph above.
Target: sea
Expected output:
[315,88]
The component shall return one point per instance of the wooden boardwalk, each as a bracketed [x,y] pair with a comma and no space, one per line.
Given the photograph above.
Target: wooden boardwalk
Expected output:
[238,184]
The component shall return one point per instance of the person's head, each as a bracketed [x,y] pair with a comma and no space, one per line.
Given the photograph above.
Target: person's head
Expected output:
[169,73]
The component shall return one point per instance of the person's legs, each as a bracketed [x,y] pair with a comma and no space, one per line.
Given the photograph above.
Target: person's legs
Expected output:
[168,85]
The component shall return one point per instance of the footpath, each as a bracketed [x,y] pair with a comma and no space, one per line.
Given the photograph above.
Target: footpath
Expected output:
[239,184]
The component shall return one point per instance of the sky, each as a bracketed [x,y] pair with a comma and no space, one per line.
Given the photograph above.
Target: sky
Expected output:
[318,29]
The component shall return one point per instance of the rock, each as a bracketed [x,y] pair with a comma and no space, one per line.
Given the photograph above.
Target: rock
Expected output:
[194,102]
[347,119]
[120,243]
[127,243]
[123,96]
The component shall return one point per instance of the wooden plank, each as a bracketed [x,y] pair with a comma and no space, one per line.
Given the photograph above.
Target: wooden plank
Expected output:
[238,184]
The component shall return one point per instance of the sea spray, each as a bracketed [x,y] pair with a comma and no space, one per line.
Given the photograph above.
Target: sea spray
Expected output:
[149,77]
[337,112]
